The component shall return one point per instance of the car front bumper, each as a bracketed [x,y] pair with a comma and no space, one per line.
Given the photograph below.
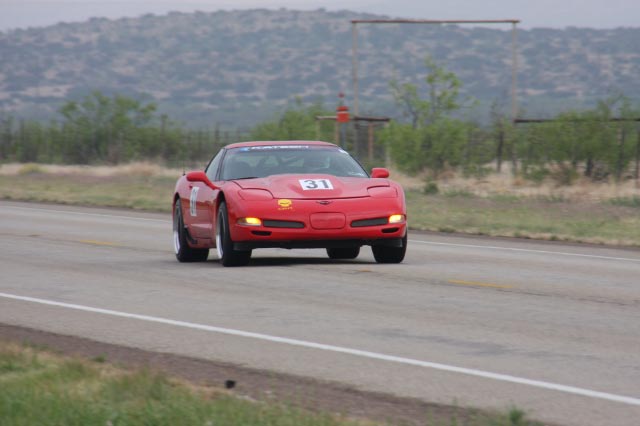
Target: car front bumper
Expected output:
[310,224]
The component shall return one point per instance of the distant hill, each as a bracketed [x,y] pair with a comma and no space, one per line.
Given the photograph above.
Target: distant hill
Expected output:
[237,68]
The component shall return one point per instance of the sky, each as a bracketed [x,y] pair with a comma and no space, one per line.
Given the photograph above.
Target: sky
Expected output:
[533,13]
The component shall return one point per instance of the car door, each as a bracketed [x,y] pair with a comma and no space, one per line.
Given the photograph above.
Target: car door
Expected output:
[202,203]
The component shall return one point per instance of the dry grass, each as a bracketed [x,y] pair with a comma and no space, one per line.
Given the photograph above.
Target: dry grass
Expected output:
[139,186]
[535,218]
[501,204]
[498,205]
[493,185]
[506,184]
[141,169]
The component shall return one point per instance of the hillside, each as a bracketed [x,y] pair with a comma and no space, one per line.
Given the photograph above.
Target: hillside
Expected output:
[236,68]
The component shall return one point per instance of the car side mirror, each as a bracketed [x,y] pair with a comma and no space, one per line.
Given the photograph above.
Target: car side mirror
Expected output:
[200,176]
[379,172]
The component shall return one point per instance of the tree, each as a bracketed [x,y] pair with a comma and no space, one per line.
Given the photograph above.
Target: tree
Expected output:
[106,128]
[442,98]
[297,123]
[6,137]
[434,139]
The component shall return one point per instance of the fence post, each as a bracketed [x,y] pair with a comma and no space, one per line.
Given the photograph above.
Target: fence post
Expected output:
[370,142]
[637,176]
[514,153]
[620,162]
[500,146]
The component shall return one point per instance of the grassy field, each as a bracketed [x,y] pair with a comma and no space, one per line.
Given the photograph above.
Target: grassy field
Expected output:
[537,218]
[39,387]
[141,187]
[499,205]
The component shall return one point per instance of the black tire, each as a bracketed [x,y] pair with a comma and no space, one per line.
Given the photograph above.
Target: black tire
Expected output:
[386,254]
[343,252]
[226,253]
[184,253]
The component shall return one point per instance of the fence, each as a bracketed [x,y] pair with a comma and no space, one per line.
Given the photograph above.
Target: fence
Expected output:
[600,149]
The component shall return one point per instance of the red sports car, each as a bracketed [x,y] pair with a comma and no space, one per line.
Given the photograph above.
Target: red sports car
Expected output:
[293,194]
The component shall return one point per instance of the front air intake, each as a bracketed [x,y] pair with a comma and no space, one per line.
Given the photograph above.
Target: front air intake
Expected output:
[370,222]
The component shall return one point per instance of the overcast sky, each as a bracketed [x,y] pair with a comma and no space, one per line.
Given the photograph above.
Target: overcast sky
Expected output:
[533,13]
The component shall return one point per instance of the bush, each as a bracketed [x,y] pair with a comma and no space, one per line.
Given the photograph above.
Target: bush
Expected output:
[626,201]
[477,171]
[564,176]
[30,169]
[431,188]
[537,174]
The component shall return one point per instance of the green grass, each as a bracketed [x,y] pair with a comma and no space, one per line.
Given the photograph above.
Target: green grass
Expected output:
[456,193]
[38,387]
[549,218]
[136,192]
[626,201]
[555,218]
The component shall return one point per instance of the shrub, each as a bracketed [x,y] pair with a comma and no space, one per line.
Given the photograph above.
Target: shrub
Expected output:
[537,174]
[431,188]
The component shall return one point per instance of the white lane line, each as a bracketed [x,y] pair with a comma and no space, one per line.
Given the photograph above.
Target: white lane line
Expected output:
[89,214]
[355,352]
[559,253]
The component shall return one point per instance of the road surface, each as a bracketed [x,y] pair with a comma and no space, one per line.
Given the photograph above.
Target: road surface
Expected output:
[550,328]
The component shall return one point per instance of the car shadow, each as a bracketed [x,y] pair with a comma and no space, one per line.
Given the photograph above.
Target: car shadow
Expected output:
[293,261]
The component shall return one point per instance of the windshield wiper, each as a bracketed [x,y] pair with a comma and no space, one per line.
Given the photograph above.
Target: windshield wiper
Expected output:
[246,177]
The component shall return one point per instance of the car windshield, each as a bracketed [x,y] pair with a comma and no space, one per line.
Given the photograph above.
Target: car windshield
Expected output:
[262,161]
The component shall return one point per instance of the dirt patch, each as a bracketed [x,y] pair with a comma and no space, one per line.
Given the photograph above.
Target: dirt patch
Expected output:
[255,384]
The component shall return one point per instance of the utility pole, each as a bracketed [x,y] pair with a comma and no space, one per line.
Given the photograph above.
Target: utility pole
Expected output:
[354,64]
[514,73]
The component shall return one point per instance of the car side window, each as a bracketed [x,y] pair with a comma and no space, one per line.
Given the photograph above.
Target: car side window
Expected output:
[214,165]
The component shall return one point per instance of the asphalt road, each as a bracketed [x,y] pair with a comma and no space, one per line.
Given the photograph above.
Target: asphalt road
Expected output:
[551,328]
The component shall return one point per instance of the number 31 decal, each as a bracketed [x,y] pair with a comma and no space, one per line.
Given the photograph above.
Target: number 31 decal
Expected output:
[308,184]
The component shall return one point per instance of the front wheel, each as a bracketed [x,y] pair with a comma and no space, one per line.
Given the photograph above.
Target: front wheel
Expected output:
[386,254]
[343,252]
[226,253]
[183,252]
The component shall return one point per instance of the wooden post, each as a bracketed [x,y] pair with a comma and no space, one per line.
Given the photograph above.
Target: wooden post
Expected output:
[354,65]
[514,153]
[514,72]
[638,160]
[620,162]
[500,147]
[370,145]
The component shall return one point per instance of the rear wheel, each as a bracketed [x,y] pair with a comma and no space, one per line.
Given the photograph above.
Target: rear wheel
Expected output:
[343,252]
[387,254]
[226,253]
[184,253]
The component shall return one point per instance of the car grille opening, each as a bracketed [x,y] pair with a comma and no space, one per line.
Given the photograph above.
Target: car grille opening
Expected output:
[282,224]
[370,222]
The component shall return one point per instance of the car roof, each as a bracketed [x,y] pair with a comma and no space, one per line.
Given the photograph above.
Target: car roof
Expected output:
[272,143]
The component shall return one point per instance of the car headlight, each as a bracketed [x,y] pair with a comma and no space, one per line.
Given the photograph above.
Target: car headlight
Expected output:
[255,194]
[396,218]
[382,192]
[249,221]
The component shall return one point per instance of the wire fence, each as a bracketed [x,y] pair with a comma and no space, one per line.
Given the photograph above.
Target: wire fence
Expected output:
[563,150]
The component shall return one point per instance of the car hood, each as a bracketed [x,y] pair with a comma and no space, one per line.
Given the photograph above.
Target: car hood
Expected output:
[293,186]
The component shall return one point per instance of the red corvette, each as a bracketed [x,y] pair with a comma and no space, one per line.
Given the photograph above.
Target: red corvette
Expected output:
[293,194]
